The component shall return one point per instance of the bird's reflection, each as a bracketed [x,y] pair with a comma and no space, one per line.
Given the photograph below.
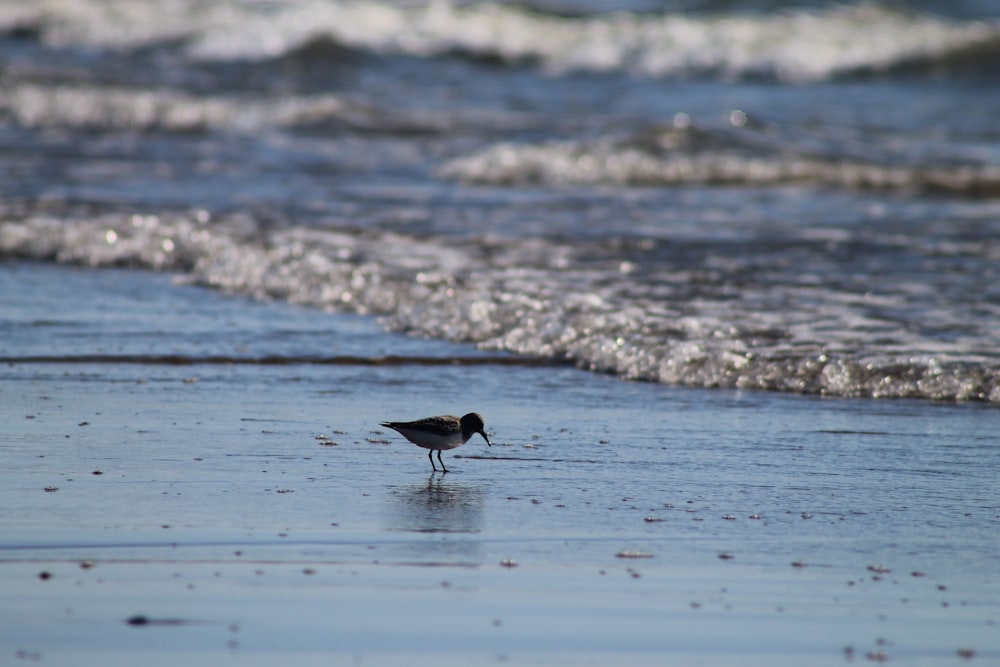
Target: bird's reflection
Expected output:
[443,511]
[437,506]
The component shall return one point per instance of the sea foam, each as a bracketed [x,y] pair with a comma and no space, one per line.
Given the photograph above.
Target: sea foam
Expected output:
[676,326]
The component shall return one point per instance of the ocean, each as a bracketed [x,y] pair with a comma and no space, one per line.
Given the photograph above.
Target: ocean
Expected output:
[722,277]
[193,477]
[790,196]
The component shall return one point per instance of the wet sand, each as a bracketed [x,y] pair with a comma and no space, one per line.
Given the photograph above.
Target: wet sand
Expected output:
[217,512]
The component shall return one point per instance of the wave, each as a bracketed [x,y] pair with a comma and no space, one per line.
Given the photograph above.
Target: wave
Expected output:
[688,155]
[107,108]
[582,303]
[787,45]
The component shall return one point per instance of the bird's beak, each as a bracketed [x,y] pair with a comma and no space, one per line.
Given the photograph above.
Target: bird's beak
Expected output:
[483,433]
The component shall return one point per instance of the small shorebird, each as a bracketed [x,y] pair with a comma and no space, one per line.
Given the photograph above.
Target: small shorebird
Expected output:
[437,433]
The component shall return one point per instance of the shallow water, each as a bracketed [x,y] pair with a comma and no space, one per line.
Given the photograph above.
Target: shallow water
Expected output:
[251,510]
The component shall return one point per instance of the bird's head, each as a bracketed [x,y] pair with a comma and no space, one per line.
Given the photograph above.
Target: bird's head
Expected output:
[473,423]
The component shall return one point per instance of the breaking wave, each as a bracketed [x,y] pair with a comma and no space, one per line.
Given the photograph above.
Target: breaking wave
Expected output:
[789,45]
[693,156]
[588,304]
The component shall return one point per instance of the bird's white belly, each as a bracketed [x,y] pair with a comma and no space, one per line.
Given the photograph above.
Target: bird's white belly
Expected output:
[434,440]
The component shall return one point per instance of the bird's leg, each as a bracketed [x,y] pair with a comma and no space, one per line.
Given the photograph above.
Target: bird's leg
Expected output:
[441,462]
[430,455]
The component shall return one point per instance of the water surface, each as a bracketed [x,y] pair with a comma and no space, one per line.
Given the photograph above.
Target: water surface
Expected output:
[249,510]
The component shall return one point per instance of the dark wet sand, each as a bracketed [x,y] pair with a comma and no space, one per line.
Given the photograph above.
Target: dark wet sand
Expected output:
[212,513]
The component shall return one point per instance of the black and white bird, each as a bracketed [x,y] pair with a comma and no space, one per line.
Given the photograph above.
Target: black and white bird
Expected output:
[441,433]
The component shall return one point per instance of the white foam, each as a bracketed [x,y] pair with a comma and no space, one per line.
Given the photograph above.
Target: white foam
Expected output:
[678,329]
[71,106]
[793,45]
[613,161]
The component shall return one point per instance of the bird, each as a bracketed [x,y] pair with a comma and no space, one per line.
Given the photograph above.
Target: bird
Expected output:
[441,432]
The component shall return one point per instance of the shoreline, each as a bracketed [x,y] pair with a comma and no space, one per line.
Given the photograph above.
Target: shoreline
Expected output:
[780,529]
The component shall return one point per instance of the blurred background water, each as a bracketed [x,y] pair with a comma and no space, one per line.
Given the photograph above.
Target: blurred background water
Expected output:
[793,196]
